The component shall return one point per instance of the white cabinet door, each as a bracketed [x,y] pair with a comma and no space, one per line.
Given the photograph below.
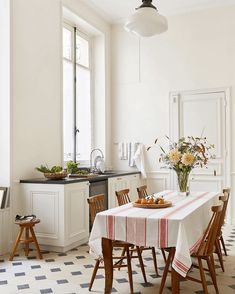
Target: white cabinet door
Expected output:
[116,184]
[123,182]
[134,183]
[63,211]
[46,202]
[76,212]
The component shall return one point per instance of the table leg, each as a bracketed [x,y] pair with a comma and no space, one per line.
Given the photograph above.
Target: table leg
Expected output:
[175,281]
[107,250]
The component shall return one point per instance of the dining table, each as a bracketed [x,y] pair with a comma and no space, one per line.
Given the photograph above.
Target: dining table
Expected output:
[179,226]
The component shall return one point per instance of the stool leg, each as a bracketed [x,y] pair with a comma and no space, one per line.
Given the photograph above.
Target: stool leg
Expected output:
[36,242]
[16,244]
[26,249]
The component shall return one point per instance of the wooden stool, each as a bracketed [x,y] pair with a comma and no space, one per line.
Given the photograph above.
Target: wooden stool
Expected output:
[28,226]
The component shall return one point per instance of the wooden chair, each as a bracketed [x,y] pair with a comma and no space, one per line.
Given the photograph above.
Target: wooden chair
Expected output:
[26,226]
[123,198]
[96,205]
[142,191]
[204,252]
[218,250]
[226,191]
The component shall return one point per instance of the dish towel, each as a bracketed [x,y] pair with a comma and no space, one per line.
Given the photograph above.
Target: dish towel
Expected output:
[132,148]
[122,151]
[139,160]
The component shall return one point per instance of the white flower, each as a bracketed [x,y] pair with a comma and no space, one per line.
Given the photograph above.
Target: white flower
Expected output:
[174,155]
[188,159]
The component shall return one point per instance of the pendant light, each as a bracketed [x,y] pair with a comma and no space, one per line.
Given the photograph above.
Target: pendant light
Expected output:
[146,21]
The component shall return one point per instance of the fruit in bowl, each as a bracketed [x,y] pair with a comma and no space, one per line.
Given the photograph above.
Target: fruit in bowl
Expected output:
[54,173]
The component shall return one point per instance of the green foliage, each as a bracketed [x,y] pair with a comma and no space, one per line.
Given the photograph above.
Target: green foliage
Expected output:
[46,169]
[72,167]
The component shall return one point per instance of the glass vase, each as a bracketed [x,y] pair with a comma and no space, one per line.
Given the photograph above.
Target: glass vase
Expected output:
[183,182]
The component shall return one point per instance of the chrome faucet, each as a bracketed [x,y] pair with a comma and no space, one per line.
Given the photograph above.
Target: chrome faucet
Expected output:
[91,165]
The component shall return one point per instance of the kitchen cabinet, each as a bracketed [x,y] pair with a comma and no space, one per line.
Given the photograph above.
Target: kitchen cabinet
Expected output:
[5,220]
[122,182]
[63,211]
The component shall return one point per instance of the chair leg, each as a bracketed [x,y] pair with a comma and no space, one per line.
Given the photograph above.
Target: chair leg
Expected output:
[211,266]
[16,243]
[129,269]
[154,260]
[166,269]
[202,274]
[219,253]
[122,255]
[163,254]
[141,263]
[223,245]
[26,249]
[36,242]
[94,273]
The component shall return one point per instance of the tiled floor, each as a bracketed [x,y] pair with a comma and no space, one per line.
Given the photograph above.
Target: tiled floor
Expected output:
[71,272]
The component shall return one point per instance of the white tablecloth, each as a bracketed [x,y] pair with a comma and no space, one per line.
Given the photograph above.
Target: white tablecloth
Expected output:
[179,226]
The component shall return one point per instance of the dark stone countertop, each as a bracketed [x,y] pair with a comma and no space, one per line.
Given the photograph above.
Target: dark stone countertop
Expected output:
[68,180]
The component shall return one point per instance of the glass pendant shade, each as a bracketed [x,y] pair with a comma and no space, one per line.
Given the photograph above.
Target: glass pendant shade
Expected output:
[146,22]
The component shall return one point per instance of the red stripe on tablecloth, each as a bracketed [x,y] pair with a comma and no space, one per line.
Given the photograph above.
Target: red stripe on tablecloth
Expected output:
[110,226]
[185,205]
[180,265]
[163,232]
[135,230]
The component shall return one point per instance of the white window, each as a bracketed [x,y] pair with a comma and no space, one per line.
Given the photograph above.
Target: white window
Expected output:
[77,95]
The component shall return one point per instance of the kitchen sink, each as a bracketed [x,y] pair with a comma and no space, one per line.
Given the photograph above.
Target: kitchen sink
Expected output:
[108,172]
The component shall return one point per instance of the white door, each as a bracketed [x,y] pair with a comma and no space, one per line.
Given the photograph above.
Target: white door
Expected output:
[204,113]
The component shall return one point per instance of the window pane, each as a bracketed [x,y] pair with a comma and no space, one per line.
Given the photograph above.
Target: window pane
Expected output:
[82,51]
[68,112]
[83,114]
[67,44]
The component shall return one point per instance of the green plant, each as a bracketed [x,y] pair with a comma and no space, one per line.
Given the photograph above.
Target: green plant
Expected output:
[72,167]
[46,169]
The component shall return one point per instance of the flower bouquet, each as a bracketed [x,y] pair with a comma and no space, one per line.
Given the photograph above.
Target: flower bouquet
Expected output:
[185,155]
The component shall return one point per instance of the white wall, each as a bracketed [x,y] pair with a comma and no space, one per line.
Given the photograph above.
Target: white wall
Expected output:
[5,93]
[37,84]
[197,52]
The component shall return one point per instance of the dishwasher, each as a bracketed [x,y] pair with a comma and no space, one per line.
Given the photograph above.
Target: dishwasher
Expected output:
[99,187]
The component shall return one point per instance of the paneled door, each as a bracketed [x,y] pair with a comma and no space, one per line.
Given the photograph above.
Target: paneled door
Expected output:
[204,113]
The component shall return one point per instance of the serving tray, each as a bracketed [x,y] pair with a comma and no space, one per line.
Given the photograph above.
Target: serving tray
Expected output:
[151,206]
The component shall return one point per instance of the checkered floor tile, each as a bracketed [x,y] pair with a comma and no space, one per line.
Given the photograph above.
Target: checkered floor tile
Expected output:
[70,272]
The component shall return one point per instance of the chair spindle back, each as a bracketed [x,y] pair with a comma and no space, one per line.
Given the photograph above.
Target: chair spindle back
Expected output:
[208,240]
[96,204]
[123,197]
[142,191]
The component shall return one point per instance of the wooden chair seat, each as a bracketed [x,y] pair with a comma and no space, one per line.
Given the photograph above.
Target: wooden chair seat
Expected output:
[27,226]
[96,205]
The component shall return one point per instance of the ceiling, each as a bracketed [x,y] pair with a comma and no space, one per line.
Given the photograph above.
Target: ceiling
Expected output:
[116,10]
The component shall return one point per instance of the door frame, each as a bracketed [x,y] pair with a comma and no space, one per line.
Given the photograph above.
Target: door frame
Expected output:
[174,124]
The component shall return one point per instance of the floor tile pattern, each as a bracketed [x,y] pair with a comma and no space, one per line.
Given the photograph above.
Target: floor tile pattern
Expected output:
[68,273]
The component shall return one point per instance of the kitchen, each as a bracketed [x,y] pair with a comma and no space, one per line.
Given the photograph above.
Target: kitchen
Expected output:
[132,102]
